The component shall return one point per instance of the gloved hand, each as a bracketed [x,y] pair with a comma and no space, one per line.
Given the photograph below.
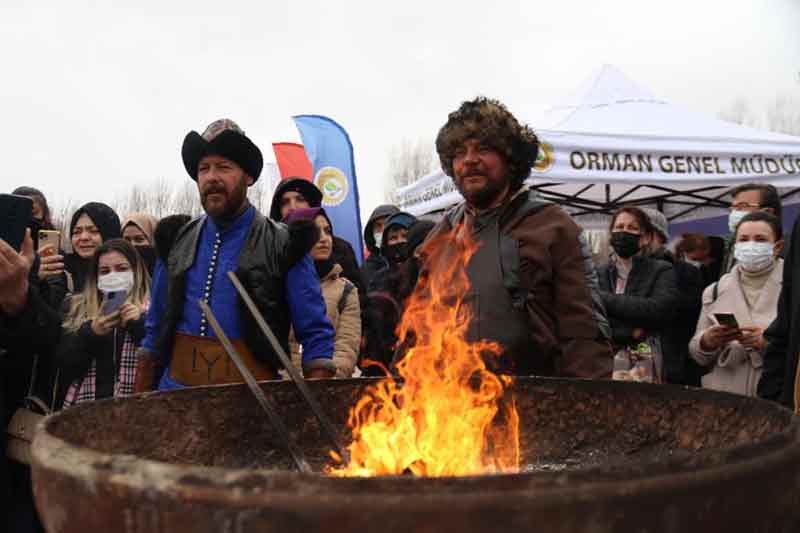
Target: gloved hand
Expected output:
[303,235]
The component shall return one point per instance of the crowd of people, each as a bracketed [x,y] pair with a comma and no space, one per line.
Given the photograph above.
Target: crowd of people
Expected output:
[697,310]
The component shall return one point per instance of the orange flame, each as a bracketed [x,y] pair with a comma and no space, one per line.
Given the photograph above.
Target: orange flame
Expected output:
[450,417]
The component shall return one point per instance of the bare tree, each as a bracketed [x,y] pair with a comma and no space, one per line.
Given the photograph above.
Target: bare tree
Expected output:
[186,200]
[409,161]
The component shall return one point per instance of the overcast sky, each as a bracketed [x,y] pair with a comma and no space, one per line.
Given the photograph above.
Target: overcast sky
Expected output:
[98,95]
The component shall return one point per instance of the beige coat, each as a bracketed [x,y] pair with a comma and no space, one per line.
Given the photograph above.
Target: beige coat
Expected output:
[347,325]
[733,367]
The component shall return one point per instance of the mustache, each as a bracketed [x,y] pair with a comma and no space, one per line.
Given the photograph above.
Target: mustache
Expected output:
[471,172]
[214,188]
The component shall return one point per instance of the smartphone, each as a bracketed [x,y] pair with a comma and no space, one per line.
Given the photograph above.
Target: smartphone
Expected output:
[16,213]
[113,301]
[51,239]
[726,319]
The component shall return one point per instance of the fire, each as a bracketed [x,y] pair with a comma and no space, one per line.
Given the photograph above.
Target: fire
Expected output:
[452,416]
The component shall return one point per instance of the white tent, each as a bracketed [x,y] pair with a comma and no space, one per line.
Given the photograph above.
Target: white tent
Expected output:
[612,142]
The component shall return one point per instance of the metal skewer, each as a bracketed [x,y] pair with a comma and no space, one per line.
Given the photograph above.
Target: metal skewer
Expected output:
[324,422]
[266,403]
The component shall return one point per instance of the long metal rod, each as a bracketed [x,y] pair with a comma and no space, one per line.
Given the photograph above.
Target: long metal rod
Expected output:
[299,381]
[266,403]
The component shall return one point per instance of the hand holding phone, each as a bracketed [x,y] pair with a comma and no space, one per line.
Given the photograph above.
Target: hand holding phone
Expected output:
[49,242]
[15,268]
[113,301]
[727,320]
[16,213]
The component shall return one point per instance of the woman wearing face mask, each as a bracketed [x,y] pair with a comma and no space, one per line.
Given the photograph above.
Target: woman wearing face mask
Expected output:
[340,294]
[92,225]
[96,357]
[639,292]
[750,292]
[138,230]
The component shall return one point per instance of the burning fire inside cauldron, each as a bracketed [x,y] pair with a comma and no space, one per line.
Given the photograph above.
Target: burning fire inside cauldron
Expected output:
[452,416]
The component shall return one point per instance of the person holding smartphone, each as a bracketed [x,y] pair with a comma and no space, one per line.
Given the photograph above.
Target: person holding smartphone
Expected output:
[29,330]
[729,339]
[104,326]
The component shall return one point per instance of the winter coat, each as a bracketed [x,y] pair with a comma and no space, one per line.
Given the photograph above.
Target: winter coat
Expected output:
[79,348]
[778,378]
[679,367]
[344,312]
[344,255]
[650,302]
[735,368]
[36,330]
[528,286]
[375,261]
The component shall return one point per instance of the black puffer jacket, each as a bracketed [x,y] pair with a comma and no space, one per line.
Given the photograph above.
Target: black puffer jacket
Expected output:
[650,300]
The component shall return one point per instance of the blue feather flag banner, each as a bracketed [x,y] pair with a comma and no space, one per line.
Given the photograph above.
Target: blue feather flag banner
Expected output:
[331,154]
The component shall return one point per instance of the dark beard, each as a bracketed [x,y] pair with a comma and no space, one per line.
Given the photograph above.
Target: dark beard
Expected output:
[484,197]
[234,204]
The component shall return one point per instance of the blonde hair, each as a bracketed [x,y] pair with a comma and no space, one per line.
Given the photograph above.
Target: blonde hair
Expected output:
[86,305]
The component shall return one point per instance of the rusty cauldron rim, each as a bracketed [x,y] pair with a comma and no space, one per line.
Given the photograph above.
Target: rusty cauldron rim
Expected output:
[258,485]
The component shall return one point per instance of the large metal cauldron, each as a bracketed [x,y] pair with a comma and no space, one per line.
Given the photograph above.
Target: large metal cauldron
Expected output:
[602,456]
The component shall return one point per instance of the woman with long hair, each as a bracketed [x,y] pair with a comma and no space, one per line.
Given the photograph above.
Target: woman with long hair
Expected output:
[340,294]
[97,353]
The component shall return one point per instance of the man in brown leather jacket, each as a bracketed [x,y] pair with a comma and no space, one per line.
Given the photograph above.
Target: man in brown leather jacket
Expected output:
[530,278]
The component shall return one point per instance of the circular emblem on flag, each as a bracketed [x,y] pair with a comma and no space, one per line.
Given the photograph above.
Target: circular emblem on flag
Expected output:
[544,159]
[333,184]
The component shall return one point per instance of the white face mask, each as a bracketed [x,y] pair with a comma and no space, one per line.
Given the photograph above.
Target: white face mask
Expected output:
[754,256]
[378,239]
[696,264]
[734,218]
[115,281]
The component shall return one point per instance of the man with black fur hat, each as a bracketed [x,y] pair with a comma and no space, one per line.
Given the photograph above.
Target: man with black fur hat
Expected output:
[529,286]
[271,261]
[299,193]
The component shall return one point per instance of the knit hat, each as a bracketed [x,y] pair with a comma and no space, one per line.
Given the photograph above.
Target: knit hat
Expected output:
[102,216]
[224,138]
[658,220]
[308,213]
[300,185]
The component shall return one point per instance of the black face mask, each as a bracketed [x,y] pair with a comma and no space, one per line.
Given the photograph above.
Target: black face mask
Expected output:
[148,255]
[625,244]
[396,253]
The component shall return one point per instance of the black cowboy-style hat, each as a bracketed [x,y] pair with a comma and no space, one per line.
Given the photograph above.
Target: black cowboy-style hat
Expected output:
[224,138]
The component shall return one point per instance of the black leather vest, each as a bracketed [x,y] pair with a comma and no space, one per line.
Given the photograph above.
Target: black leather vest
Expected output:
[262,267]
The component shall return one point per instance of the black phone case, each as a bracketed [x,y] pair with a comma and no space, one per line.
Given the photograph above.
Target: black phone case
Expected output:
[16,213]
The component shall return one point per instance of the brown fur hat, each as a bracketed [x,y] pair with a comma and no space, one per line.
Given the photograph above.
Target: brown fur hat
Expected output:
[491,123]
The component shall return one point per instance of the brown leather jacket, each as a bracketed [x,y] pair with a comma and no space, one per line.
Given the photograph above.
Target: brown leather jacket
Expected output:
[532,292]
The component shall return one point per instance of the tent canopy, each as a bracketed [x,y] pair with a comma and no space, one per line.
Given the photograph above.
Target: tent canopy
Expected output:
[612,142]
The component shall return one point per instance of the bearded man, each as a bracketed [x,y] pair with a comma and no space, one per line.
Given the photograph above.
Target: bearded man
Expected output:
[530,277]
[271,260]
